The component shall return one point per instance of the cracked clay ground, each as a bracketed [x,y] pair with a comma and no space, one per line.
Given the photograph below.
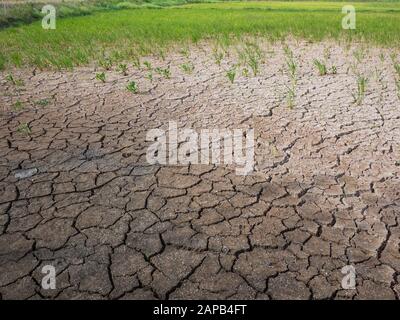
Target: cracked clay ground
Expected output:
[325,191]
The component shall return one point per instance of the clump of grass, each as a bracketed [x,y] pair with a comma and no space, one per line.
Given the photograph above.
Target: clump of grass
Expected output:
[150,76]
[123,68]
[292,69]
[101,77]
[359,95]
[184,51]
[359,54]
[42,102]
[333,69]
[290,97]
[24,129]
[382,57]
[245,72]
[251,55]
[132,87]
[18,106]
[187,67]
[165,72]
[398,88]
[231,74]
[396,66]
[14,81]
[106,63]
[136,62]
[322,70]
[148,66]
[218,55]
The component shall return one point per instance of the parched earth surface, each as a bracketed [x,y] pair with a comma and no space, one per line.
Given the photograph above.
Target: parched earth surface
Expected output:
[77,191]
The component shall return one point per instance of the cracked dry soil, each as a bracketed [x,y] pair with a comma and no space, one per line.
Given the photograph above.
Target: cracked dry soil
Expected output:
[325,192]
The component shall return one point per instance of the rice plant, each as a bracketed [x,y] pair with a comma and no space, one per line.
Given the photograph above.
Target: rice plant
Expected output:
[132,87]
[18,106]
[359,95]
[290,96]
[101,77]
[123,68]
[24,129]
[322,70]
[106,63]
[231,74]
[14,81]
[187,67]
[165,72]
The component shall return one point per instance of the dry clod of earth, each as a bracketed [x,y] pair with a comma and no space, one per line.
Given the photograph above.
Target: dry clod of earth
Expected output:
[325,192]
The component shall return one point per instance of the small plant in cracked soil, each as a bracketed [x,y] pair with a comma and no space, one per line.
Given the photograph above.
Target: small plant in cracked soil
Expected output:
[165,72]
[333,69]
[14,81]
[148,66]
[150,76]
[292,69]
[101,77]
[359,54]
[132,87]
[321,67]
[187,67]
[185,52]
[24,129]
[18,106]
[42,102]
[290,97]
[123,68]
[251,56]
[396,66]
[231,74]
[106,63]
[359,95]
[218,55]
[136,62]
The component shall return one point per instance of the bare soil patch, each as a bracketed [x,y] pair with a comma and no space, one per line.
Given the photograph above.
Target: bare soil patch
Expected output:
[78,193]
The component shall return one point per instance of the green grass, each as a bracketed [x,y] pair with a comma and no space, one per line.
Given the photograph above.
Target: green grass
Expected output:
[129,34]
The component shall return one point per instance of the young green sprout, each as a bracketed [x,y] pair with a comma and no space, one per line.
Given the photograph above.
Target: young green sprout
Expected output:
[123,68]
[218,56]
[132,87]
[322,70]
[24,129]
[382,57]
[290,97]
[187,67]
[101,77]
[106,63]
[15,82]
[231,74]
[333,69]
[42,102]
[147,64]
[361,87]
[136,62]
[397,68]
[18,106]
[165,72]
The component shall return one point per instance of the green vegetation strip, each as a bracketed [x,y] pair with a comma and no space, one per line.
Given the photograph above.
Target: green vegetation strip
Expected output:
[127,34]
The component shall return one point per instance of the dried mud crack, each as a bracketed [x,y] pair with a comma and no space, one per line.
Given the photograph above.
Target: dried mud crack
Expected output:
[78,193]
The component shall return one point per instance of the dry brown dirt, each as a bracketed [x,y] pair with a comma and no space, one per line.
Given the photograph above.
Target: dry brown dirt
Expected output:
[325,192]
